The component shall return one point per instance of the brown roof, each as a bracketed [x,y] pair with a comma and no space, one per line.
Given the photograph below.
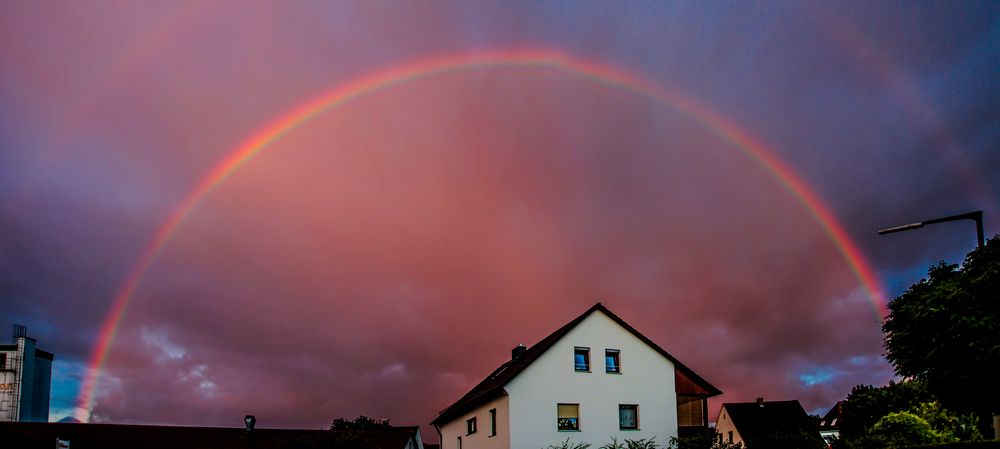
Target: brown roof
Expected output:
[492,386]
[114,436]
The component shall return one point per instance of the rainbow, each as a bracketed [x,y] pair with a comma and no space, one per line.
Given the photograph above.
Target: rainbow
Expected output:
[913,101]
[421,69]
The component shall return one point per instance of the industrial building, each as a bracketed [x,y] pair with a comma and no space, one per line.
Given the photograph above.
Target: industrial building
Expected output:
[25,379]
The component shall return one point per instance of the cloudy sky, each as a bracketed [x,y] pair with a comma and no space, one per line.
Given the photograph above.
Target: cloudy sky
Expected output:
[385,255]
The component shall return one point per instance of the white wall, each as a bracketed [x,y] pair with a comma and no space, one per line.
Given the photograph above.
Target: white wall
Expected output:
[646,379]
[481,439]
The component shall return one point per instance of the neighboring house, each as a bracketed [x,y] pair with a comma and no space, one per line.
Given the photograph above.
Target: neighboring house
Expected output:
[765,424]
[593,379]
[829,425]
[119,436]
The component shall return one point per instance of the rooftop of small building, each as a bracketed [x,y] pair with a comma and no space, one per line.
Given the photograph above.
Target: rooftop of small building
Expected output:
[114,436]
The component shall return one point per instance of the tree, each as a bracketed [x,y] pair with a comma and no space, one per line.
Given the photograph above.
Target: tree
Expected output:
[951,427]
[902,429]
[867,404]
[361,422]
[945,331]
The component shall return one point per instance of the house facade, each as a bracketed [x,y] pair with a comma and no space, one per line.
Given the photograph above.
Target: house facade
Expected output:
[829,425]
[593,379]
[766,424]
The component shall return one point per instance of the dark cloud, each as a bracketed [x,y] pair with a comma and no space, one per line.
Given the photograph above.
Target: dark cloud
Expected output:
[383,257]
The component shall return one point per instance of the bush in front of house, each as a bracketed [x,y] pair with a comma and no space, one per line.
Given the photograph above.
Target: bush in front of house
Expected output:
[631,444]
[643,443]
[707,438]
[962,445]
[568,445]
[902,429]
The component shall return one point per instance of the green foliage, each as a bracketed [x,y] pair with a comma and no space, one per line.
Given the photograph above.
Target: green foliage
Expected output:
[361,422]
[943,330]
[951,427]
[964,445]
[631,444]
[709,438]
[901,429]
[867,404]
[921,423]
[614,444]
[568,445]
[799,439]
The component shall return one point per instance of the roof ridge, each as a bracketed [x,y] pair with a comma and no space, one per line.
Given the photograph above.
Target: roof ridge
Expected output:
[492,386]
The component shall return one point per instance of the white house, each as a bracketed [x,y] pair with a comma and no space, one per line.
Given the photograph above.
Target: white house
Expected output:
[593,379]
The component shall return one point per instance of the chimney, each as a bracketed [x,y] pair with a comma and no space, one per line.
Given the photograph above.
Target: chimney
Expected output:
[249,421]
[517,351]
[760,402]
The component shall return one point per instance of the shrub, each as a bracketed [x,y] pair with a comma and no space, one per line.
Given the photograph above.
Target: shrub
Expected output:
[568,445]
[951,427]
[709,438]
[900,429]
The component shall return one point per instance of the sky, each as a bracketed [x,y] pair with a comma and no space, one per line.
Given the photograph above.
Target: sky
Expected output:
[384,254]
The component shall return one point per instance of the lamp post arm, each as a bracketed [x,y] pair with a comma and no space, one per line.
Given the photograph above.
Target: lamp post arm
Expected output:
[976,216]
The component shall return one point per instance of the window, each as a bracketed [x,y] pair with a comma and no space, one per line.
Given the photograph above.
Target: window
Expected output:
[459,442]
[493,421]
[612,361]
[568,416]
[628,417]
[690,411]
[581,359]
[730,436]
[470,424]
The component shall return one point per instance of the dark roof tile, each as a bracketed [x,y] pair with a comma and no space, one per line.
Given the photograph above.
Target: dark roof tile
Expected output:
[757,420]
[114,436]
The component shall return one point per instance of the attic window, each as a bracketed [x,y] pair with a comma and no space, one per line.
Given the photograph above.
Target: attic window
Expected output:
[581,359]
[612,361]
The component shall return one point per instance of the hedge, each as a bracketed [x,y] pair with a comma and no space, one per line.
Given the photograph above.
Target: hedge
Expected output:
[968,445]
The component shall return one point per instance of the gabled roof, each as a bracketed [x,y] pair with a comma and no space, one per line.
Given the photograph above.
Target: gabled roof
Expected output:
[493,385]
[115,436]
[831,421]
[759,420]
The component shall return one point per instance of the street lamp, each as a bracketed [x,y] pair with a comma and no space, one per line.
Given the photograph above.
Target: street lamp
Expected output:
[977,216]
